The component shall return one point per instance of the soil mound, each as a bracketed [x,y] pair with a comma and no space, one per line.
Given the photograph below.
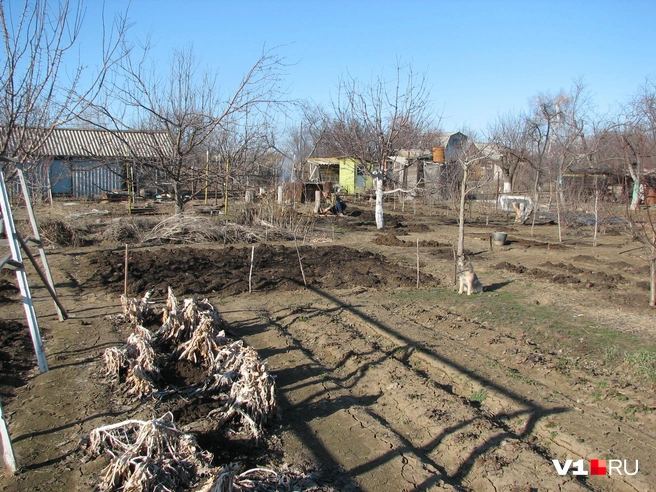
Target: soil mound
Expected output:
[205,271]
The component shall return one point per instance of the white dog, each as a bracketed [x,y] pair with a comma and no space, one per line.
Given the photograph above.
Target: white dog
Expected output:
[468,280]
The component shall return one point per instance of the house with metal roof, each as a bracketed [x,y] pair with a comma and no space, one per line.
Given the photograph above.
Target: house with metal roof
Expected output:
[85,163]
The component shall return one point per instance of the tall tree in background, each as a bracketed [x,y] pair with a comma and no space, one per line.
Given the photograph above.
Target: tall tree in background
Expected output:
[371,121]
[508,135]
[187,104]
[43,85]
[639,138]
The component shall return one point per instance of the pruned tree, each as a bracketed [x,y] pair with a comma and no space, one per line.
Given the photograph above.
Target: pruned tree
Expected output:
[42,83]
[508,135]
[639,138]
[369,122]
[572,120]
[187,104]
[242,155]
[468,158]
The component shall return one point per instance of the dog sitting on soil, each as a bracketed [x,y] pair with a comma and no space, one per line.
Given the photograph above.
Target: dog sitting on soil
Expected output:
[468,280]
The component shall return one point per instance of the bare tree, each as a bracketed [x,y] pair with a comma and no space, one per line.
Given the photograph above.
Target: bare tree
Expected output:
[371,121]
[639,138]
[242,156]
[468,158]
[187,104]
[508,135]
[42,83]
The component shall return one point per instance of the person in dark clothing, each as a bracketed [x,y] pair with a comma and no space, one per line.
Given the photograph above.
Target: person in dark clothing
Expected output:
[333,204]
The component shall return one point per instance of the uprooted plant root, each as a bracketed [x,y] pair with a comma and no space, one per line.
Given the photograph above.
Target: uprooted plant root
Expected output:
[236,378]
[154,455]
[148,455]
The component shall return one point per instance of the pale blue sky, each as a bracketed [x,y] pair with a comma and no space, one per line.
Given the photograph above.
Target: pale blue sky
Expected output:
[481,58]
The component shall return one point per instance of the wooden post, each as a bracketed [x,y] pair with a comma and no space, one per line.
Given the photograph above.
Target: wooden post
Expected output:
[417,262]
[250,274]
[125,273]
[300,260]
[317,202]
[280,195]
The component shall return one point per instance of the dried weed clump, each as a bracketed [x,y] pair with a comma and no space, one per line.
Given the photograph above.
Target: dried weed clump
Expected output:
[133,364]
[127,230]
[59,233]
[155,455]
[191,331]
[148,455]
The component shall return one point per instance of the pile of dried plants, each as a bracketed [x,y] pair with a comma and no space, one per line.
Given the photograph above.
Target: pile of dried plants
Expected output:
[148,455]
[156,456]
[231,478]
[137,311]
[236,377]
[190,228]
[127,230]
[133,364]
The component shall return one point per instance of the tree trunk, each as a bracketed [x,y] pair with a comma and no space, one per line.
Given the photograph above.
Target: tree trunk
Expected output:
[560,229]
[178,198]
[507,180]
[537,199]
[380,217]
[635,195]
[652,268]
[461,217]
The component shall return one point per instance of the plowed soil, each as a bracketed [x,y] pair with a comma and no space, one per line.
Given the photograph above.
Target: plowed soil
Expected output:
[387,379]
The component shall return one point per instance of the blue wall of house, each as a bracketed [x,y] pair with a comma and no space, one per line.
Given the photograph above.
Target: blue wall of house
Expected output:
[85,179]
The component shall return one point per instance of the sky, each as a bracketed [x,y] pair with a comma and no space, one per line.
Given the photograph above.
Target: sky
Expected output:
[481,59]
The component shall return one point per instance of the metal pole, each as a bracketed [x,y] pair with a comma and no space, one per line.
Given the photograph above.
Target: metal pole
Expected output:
[30,314]
[61,312]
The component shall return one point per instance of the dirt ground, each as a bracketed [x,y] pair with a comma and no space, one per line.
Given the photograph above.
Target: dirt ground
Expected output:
[385,381]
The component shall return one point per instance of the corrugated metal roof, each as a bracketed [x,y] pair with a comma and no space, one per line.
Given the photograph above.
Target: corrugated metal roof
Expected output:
[324,161]
[85,143]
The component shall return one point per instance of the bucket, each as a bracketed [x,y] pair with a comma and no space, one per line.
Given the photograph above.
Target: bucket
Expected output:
[499,238]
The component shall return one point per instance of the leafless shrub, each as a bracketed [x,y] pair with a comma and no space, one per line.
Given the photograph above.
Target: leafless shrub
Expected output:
[55,232]
[126,230]
[188,228]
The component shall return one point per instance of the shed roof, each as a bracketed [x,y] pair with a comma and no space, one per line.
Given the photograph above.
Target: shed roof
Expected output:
[86,143]
[325,161]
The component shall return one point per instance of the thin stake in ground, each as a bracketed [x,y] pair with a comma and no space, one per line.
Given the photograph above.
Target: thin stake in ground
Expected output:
[125,273]
[250,274]
[300,261]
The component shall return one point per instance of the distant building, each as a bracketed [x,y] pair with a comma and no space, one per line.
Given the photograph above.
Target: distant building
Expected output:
[84,163]
[343,171]
[434,169]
